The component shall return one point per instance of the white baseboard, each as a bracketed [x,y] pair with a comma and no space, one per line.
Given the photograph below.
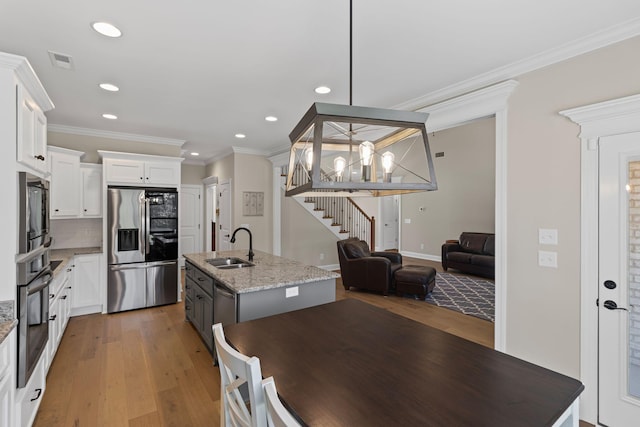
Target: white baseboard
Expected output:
[419,255]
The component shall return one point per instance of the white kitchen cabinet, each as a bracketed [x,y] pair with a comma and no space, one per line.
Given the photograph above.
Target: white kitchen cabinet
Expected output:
[59,311]
[65,182]
[27,399]
[31,132]
[7,379]
[87,290]
[91,196]
[140,170]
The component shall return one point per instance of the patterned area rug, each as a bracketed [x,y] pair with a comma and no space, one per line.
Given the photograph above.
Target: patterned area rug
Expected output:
[466,294]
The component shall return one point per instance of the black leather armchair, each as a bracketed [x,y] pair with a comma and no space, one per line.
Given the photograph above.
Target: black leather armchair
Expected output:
[364,269]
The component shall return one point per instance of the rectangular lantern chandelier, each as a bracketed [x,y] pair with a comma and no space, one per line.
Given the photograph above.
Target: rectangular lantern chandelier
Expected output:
[344,150]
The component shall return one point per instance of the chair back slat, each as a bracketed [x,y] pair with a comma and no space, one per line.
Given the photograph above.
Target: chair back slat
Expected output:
[236,371]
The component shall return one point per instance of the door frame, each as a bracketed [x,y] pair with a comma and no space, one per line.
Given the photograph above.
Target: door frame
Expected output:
[210,189]
[614,117]
[381,220]
[199,213]
[230,183]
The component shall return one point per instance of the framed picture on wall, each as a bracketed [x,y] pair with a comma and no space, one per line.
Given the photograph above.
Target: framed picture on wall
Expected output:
[252,203]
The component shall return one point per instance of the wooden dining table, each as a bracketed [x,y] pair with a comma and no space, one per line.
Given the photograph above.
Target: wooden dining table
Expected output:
[349,363]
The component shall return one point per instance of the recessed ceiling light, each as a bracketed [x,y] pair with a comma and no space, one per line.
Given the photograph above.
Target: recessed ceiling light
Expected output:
[110,116]
[323,90]
[106,29]
[240,135]
[195,154]
[109,87]
[271,118]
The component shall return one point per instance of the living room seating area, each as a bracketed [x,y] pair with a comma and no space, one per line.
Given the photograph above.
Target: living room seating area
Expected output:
[472,253]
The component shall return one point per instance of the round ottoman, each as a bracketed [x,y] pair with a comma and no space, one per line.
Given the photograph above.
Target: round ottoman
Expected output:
[416,280]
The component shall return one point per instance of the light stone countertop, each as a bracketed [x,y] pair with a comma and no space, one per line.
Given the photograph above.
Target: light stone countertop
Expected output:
[65,255]
[7,321]
[269,272]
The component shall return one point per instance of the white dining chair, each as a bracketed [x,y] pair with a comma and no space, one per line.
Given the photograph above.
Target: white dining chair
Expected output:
[277,414]
[237,369]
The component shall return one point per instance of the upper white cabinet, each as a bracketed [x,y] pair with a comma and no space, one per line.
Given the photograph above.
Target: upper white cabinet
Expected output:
[24,103]
[65,182]
[76,188]
[140,170]
[91,195]
[32,132]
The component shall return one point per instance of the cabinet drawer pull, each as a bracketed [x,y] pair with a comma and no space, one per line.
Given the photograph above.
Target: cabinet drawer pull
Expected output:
[52,296]
[63,297]
[39,391]
[39,157]
[52,318]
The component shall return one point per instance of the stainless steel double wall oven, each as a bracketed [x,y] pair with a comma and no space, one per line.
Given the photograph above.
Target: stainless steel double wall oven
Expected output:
[33,273]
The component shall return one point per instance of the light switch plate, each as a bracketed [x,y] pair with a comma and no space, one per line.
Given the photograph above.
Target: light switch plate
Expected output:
[548,259]
[407,220]
[548,236]
[291,292]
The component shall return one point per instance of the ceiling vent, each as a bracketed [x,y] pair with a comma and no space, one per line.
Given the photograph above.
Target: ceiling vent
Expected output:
[60,60]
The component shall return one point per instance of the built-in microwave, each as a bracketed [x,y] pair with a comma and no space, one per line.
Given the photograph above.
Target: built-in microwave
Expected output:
[33,219]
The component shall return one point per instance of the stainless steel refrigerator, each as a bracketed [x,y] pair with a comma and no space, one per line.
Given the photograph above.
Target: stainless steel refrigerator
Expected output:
[142,244]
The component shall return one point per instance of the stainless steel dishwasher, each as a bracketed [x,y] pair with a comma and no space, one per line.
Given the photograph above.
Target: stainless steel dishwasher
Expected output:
[224,305]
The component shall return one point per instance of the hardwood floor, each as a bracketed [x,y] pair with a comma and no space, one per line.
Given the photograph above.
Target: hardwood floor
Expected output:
[150,368]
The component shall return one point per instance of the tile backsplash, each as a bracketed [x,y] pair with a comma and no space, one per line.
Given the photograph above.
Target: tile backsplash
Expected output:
[76,233]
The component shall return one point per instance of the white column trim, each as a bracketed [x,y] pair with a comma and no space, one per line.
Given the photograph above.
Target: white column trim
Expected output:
[277,211]
[608,118]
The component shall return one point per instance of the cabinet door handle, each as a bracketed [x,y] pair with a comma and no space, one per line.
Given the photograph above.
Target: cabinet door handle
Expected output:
[57,210]
[63,297]
[52,318]
[39,391]
[52,296]
[39,157]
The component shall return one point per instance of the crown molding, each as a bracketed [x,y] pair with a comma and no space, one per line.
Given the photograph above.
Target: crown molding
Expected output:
[247,150]
[194,162]
[114,135]
[28,77]
[600,39]
[607,118]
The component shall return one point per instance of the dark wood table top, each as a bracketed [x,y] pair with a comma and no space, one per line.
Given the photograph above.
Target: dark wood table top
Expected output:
[349,363]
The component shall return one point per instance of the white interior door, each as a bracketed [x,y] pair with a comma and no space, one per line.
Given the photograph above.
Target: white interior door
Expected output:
[224,216]
[190,220]
[390,224]
[619,281]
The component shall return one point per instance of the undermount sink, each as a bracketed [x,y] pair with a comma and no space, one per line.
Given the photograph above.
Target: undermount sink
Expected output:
[232,262]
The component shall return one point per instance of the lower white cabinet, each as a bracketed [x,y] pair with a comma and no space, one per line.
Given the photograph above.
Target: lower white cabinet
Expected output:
[86,292]
[7,379]
[59,312]
[28,398]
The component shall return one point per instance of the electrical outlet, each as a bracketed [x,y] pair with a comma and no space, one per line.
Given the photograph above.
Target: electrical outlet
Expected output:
[407,220]
[421,245]
[321,257]
[548,259]
[291,292]
[548,236]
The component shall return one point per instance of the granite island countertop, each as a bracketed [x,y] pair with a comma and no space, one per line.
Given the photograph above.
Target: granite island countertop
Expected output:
[7,321]
[269,271]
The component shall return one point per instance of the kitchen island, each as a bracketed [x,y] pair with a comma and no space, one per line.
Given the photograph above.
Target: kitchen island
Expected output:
[272,285]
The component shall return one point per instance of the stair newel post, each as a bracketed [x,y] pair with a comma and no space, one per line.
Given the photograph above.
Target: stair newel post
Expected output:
[373,233]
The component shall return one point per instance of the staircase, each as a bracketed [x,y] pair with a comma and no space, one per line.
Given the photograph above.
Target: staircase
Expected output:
[341,215]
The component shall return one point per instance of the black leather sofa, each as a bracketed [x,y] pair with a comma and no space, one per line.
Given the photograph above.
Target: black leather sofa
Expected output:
[473,253]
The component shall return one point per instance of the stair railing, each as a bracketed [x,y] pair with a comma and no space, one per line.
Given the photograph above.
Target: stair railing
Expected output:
[344,211]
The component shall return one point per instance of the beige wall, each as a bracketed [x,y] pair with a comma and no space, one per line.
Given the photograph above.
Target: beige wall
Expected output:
[192,174]
[248,173]
[465,199]
[222,168]
[543,179]
[253,173]
[304,238]
[91,144]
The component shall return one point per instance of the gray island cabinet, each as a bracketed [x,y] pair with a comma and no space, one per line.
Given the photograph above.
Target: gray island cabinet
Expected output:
[271,286]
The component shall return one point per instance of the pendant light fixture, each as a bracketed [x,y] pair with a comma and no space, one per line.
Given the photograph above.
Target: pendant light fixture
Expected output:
[346,150]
